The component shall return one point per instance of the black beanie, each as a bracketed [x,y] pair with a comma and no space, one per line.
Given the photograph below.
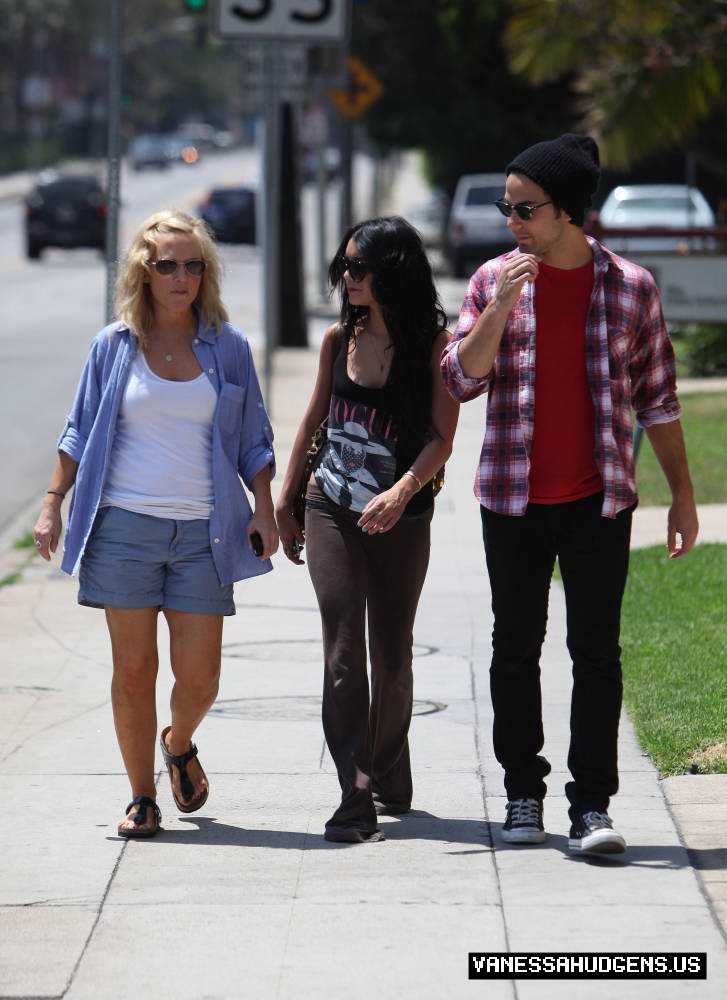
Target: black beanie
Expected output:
[566,168]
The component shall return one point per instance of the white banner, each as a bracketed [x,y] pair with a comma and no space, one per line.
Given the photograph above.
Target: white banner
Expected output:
[693,287]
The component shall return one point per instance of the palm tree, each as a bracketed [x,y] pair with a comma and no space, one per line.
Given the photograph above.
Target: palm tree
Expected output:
[646,74]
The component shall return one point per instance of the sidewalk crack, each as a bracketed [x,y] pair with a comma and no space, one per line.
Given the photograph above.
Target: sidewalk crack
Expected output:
[97,918]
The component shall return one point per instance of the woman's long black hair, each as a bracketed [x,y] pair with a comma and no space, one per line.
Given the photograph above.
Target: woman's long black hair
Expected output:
[404,288]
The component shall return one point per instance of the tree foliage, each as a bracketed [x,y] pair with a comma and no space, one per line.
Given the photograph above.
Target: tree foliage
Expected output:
[646,74]
[469,82]
[448,87]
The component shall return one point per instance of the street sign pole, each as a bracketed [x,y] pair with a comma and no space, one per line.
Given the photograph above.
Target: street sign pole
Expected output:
[113,153]
[346,202]
[271,23]
[362,90]
[271,187]
[321,193]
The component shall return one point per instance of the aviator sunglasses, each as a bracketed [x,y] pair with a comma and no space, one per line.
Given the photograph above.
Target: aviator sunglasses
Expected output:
[356,267]
[167,267]
[524,209]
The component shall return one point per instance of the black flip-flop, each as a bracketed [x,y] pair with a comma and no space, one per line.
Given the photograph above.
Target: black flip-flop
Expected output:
[142,803]
[191,803]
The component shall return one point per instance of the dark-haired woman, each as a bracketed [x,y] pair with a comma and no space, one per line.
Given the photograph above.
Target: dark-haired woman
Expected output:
[369,507]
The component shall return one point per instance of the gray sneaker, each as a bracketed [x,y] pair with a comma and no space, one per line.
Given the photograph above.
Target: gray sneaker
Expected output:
[593,833]
[524,822]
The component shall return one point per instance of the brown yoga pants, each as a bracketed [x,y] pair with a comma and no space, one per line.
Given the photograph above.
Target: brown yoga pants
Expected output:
[380,577]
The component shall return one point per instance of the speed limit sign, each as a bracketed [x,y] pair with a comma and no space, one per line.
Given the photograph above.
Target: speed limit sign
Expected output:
[315,21]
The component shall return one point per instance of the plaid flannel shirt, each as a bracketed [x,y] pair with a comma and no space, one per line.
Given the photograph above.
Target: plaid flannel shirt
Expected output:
[629,364]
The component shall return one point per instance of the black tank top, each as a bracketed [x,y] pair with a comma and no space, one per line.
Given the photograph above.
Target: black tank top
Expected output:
[366,451]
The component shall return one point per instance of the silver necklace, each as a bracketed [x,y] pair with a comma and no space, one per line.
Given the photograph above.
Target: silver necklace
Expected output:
[169,357]
[382,360]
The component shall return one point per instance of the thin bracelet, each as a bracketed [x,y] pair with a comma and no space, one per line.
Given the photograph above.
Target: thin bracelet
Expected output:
[415,477]
[56,493]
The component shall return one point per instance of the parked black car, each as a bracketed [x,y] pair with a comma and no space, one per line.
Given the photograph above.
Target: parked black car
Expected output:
[65,210]
[230,214]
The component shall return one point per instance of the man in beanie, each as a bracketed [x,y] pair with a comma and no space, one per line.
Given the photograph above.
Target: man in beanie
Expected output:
[566,338]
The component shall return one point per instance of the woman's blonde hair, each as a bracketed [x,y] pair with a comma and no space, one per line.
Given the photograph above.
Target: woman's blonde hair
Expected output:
[134,305]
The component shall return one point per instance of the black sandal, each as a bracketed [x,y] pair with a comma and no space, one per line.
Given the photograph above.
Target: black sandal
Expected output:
[189,804]
[142,803]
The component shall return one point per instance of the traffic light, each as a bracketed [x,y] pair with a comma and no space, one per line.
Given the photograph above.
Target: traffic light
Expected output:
[200,31]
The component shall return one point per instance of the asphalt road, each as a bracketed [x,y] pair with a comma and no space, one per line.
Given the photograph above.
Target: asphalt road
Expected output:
[53,307]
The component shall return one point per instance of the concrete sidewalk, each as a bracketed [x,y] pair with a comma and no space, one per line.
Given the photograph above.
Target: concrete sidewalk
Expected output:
[246,899]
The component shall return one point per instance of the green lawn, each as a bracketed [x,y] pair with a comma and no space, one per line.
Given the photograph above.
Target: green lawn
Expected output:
[704,421]
[674,640]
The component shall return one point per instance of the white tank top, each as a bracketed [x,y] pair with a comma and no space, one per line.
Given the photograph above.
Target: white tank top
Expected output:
[161,460]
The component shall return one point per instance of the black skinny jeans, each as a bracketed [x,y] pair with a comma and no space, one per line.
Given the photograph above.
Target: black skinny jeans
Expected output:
[356,576]
[593,554]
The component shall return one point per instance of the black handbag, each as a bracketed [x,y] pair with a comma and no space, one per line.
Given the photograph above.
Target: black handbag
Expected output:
[312,458]
[437,482]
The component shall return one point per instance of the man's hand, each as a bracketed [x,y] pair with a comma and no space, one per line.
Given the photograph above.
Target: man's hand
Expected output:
[667,441]
[682,522]
[514,274]
[477,351]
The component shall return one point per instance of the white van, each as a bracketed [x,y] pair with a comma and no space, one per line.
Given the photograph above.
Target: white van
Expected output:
[476,230]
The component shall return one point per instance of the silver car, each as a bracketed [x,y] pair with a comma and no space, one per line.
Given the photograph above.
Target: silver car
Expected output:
[655,206]
[476,229]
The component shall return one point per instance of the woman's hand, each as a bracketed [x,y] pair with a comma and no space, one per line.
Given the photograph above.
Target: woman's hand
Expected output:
[263,520]
[48,527]
[291,537]
[385,510]
[264,525]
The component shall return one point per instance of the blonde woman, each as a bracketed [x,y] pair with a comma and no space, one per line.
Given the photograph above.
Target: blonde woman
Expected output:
[168,418]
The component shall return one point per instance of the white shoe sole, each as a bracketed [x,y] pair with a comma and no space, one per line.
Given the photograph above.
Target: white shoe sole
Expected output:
[599,842]
[524,836]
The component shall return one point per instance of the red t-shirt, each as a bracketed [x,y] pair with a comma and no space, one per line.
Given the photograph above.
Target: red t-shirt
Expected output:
[563,466]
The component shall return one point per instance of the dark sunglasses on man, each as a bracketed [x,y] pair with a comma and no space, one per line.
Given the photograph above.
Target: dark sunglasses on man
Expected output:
[524,209]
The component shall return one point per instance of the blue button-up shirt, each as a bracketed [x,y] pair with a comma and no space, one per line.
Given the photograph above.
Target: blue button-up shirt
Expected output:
[242,440]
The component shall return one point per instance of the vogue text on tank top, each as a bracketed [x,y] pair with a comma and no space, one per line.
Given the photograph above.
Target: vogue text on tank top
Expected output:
[366,448]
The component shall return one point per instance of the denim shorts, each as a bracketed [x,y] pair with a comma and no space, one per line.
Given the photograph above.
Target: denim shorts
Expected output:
[138,561]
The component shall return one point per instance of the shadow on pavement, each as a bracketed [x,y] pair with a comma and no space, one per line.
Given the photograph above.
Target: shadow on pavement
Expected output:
[416,825]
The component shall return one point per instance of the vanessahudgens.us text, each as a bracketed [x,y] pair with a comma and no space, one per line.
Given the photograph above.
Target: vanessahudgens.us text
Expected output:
[587,965]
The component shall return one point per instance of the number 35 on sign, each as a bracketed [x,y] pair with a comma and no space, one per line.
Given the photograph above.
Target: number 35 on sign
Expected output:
[316,21]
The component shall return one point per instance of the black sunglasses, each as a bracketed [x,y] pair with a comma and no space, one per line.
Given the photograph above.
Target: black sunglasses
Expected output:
[167,267]
[357,268]
[524,209]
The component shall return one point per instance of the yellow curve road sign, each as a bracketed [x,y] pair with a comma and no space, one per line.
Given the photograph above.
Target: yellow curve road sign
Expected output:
[363,89]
